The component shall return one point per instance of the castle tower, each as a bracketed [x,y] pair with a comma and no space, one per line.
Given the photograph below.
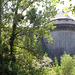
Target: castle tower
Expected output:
[63,36]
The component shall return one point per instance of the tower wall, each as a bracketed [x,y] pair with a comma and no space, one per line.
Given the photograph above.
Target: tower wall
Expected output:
[63,41]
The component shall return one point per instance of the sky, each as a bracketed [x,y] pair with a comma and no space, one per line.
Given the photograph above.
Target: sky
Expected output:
[61,6]
[66,4]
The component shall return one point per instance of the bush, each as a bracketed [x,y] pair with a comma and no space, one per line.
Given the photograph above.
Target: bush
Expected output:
[67,65]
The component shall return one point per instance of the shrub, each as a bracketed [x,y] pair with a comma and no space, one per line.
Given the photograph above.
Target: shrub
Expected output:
[67,64]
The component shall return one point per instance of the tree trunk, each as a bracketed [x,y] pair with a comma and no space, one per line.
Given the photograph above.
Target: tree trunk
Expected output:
[12,38]
[13,31]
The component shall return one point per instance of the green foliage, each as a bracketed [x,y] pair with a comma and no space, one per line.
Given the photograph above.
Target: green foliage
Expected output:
[21,35]
[31,15]
[69,8]
[67,65]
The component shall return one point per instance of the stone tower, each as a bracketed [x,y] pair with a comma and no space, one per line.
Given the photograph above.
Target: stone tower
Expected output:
[63,36]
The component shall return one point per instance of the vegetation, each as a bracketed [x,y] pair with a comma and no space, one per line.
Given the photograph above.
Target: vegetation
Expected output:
[69,8]
[22,27]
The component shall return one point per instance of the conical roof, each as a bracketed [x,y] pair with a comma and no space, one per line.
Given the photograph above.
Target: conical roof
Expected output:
[61,15]
[61,18]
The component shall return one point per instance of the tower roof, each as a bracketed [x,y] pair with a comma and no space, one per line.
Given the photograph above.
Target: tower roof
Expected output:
[61,18]
[61,15]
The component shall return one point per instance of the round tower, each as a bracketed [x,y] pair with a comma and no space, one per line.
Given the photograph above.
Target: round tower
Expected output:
[63,36]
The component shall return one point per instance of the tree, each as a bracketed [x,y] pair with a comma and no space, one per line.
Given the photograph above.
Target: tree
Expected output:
[69,8]
[20,32]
